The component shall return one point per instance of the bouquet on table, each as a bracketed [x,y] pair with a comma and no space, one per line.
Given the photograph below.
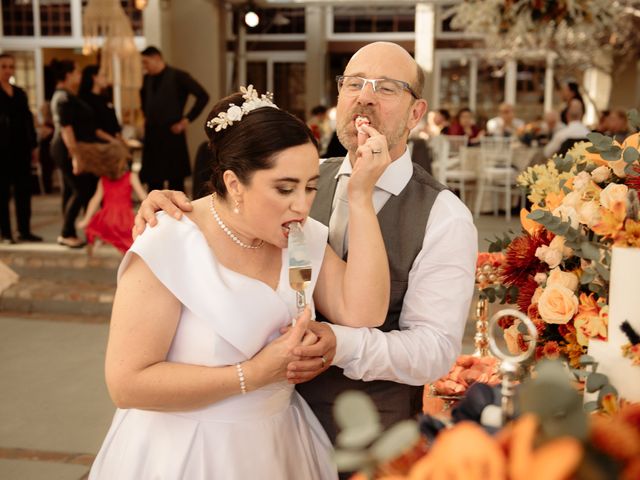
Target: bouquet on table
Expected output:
[557,270]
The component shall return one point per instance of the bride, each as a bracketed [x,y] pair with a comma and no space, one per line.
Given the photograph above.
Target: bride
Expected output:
[195,362]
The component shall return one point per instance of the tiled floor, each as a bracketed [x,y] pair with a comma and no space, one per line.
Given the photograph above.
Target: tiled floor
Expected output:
[54,406]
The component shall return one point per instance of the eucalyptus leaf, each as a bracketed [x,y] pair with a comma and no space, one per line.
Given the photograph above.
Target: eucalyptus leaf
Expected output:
[587,277]
[590,251]
[351,461]
[596,381]
[612,154]
[587,360]
[537,215]
[628,169]
[590,407]
[603,271]
[634,119]
[580,374]
[354,409]
[630,155]
[397,440]
[606,390]
[359,436]
[599,140]
[491,295]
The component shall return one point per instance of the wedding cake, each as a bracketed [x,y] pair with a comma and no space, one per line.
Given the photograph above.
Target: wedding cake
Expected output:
[624,304]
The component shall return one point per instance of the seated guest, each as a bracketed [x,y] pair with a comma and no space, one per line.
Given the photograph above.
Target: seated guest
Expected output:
[617,125]
[505,124]
[439,122]
[575,129]
[551,123]
[465,125]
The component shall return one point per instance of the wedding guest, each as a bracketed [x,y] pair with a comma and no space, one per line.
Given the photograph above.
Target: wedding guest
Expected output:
[431,243]
[617,125]
[93,91]
[74,122]
[17,143]
[573,132]
[164,94]
[569,91]
[551,123]
[505,124]
[465,125]
[320,126]
[195,362]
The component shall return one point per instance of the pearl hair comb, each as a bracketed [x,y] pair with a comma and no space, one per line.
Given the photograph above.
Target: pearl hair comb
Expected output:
[235,113]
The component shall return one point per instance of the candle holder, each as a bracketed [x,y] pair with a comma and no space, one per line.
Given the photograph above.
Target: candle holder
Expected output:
[510,366]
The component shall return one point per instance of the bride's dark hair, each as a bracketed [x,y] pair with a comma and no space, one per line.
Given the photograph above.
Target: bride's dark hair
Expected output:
[251,143]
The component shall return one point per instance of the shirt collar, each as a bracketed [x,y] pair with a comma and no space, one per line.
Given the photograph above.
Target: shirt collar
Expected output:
[393,179]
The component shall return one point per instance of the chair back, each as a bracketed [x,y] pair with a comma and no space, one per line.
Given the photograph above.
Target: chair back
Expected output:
[456,142]
[496,152]
[440,148]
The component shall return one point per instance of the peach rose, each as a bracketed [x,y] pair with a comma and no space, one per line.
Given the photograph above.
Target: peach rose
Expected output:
[557,304]
[548,255]
[565,279]
[511,338]
[589,213]
[614,192]
[581,181]
[567,214]
[601,174]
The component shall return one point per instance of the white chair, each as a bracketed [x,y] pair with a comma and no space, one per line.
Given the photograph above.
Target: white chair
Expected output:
[450,167]
[496,174]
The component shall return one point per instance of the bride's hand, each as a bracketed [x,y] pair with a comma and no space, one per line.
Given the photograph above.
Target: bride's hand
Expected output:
[270,364]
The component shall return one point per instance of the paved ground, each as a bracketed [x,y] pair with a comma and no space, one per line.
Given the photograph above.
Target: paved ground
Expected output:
[54,406]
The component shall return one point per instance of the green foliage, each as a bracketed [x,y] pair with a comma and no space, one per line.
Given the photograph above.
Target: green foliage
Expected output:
[500,244]
[634,119]
[362,444]
[500,293]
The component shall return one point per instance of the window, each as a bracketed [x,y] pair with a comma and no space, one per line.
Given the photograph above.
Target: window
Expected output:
[273,21]
[374,19]
[25,76]
[55,18]
[17,18]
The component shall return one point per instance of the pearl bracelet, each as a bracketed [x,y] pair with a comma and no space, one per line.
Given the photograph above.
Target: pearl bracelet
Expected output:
[240,372]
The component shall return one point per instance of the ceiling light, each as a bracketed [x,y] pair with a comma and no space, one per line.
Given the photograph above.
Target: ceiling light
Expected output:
[251,18]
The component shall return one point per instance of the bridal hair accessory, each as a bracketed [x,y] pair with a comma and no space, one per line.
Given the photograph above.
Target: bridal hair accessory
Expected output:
[235,113]
[227,230]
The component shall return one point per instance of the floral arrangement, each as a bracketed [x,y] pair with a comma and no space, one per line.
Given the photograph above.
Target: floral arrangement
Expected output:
[572,29]
[557,269]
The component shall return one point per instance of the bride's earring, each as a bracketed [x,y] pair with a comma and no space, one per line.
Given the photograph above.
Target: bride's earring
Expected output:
[236,208]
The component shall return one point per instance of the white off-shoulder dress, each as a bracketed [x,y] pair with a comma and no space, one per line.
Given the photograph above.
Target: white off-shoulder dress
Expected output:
[226,317]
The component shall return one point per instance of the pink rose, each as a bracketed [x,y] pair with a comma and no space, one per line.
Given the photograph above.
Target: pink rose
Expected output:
[557,304]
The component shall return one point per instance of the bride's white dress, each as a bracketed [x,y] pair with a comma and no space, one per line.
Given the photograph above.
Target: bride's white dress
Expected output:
[226,318]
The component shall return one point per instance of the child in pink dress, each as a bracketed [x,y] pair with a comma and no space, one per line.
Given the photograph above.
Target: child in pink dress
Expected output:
[113,222]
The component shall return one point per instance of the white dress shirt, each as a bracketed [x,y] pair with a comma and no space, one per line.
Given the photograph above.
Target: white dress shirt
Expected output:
[575,129]
[496,126]
[436,304]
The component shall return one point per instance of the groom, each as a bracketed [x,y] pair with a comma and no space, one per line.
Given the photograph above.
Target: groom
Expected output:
[431,244]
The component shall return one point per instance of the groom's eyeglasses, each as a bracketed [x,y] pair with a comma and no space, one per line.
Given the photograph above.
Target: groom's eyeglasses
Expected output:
[383,87]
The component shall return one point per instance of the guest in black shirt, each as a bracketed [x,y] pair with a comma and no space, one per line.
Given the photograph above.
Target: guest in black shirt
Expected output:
[164,95]
[17,144]
[74,122]
[92,91]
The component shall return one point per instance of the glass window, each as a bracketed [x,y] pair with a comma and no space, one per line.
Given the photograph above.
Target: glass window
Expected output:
[17,18]
[530,90]
[490,89]
[25,76]
[55,18]
[257,75]
[289,88]
[374,19]
[454,84]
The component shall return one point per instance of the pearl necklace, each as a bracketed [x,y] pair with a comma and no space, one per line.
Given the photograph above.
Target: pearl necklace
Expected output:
[227,230]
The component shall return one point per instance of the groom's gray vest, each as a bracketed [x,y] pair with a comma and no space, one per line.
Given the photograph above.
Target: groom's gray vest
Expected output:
[403,220]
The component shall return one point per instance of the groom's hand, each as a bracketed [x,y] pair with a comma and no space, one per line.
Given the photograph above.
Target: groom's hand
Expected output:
[314,359]
[170,201]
